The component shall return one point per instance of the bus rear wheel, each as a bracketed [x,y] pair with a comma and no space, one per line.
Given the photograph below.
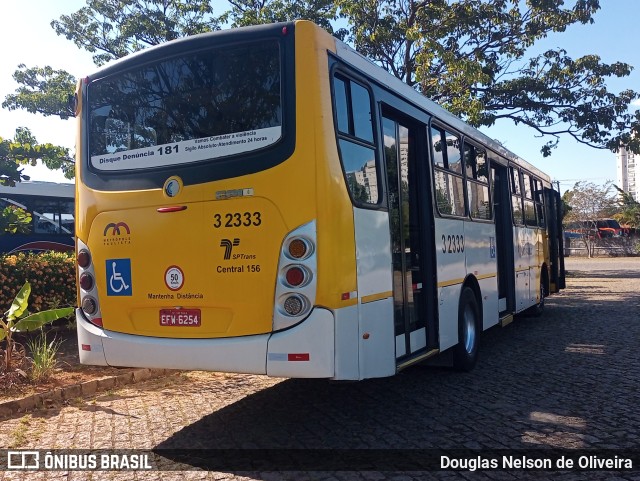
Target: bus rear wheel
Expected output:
[465,354]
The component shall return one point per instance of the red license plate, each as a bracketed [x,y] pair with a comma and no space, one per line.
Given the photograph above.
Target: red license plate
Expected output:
[180,317]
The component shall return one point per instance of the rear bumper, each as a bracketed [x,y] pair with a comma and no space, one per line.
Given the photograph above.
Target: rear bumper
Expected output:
[306,350]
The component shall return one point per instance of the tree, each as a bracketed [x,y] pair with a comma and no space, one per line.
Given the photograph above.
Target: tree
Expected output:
[589,202]
[469,55]
[25,149]
[114,28]
[109,29]
[42,90]
[629,214]
[255,12]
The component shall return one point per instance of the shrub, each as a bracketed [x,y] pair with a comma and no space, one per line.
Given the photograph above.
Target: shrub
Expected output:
[51,274]
[43,356]
[18,319]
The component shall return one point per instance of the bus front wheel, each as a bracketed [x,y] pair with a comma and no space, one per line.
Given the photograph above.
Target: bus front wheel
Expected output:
[465,354]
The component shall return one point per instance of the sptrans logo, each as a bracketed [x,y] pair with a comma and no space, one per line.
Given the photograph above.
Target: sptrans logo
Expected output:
[116,233]
[228,245]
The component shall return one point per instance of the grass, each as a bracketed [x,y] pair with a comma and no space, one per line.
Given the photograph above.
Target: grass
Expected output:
[28,431]
[43,355]
[19,436]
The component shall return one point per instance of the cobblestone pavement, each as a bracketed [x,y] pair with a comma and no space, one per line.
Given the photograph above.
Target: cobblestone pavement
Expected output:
[567,380]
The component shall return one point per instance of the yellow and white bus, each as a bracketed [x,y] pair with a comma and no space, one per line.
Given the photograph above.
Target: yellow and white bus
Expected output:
[266,200]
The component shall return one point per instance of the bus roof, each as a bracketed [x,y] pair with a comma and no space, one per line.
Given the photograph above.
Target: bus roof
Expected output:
[46,189]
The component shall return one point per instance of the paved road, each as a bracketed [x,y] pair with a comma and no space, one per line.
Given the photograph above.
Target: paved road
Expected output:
[566,380]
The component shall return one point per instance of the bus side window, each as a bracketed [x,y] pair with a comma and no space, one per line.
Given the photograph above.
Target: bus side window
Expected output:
[342,111]
[46,217]
[475,161]
[447,163]
[361,107]
[360,168]
[516,195]
[529,207]
[67,217]
[539,199]
[354,121]
[438,152]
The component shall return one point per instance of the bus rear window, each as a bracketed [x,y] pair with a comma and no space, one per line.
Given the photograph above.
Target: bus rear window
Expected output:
[201,106]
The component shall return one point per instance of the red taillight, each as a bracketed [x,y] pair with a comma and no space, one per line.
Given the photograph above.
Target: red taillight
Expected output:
[296,284]
[295,276]
[86,281]
[97,321]
[87,285]
[84,259]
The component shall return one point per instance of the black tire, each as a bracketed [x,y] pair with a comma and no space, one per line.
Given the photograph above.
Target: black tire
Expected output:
[465,354]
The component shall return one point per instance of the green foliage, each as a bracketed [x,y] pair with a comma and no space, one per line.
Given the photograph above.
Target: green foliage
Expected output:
[387,32]
[566,208]
[14,220]
[10,171]
[114,28]
[256,12]
[38,319]
[18,305]
[629,214]
[51,276]
[43,356]
[42,90]
[17,319]
[470,56]
[24,149]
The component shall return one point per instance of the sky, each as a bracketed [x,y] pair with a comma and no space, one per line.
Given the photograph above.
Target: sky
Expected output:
[27,37]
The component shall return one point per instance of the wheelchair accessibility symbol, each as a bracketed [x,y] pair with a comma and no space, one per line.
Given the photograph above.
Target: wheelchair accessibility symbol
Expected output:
[119,277]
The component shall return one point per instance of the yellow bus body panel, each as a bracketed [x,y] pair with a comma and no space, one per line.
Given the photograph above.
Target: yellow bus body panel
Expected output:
[336,236]
[235,296]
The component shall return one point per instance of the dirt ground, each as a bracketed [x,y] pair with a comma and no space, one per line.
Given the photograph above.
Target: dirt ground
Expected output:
[68,370]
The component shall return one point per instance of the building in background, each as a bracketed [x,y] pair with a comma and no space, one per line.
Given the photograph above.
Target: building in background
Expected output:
[628,172]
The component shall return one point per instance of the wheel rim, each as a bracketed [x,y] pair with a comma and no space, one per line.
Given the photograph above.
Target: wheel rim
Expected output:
[469,329]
